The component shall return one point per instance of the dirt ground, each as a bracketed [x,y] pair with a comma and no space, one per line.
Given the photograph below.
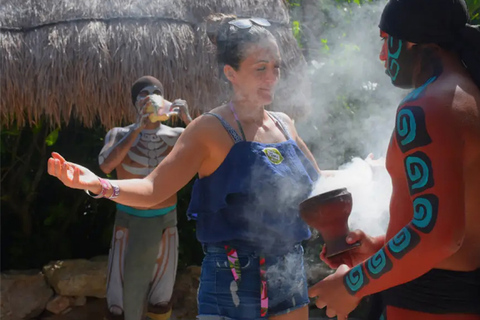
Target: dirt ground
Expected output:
[95,308]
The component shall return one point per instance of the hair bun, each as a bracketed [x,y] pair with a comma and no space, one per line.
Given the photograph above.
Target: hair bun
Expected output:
[216,24]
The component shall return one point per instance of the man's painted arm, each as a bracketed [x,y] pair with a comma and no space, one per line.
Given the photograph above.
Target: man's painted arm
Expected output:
[431,147]
[182,110]
[118,142]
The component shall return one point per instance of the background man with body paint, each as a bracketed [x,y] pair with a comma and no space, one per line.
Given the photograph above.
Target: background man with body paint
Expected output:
[144,252]
[427,266]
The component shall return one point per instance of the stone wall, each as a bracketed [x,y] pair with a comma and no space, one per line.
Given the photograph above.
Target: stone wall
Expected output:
[61,285]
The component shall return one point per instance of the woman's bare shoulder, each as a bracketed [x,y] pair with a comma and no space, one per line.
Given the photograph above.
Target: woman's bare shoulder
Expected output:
[283,116]
[207,123]
[285,119]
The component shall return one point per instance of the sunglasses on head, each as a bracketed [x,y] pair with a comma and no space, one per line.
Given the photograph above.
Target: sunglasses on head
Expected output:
[248,23]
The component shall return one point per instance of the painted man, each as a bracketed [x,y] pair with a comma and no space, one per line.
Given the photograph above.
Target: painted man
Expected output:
[427,266]
[144,251]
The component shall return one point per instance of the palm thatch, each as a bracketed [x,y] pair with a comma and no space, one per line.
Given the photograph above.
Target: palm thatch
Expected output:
[78,58]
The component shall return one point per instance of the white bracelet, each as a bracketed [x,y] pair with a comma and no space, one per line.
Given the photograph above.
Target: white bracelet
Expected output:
[104,184]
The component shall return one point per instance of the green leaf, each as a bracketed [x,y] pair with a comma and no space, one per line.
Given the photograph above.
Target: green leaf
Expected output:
[326,48]
[49,220]
[294,3]
[36,128]
[52,138]
[13,132]
[296,28]
[296,32]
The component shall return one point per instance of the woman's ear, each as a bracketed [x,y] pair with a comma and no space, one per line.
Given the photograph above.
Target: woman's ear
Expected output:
[230,73]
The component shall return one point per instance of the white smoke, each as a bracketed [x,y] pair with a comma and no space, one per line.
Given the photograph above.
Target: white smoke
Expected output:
[353,113]
[370,186]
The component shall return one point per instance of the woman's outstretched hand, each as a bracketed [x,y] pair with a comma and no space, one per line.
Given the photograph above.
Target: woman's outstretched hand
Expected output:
[73,175]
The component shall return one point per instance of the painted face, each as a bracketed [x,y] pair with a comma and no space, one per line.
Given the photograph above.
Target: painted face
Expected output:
[258,73]
[156,106]
[149,91]
[399,57]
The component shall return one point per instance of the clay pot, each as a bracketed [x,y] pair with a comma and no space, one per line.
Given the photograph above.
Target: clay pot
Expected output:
[328,213]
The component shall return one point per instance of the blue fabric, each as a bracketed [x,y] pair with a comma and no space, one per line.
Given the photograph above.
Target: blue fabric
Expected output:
[286,283]
[148,213]
[253,200]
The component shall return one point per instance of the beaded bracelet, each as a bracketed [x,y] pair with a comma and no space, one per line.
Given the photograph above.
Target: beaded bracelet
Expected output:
[116,191]
[105,186]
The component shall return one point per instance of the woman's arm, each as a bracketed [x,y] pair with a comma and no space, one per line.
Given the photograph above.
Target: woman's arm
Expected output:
[174,172]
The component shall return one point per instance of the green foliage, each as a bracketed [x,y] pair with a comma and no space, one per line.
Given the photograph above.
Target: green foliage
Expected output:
[326,48]
[324,29]
[294,3]
[42,220]
[474,9]
[297,32]
[52,138]
[358,2]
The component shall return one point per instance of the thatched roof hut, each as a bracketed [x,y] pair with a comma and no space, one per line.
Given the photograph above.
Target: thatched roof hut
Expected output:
[78,58]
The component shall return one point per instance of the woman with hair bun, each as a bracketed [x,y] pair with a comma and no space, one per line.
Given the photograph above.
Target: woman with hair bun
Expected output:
[253,170]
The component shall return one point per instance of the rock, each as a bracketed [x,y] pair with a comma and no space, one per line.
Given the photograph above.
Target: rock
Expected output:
[24,295]
[79,278]
[66,310]
[58,304]
[94,309]
[184,297]
[78,301]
